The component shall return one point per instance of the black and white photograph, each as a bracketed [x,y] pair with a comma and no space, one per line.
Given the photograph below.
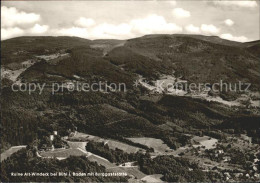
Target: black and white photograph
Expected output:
[138,91]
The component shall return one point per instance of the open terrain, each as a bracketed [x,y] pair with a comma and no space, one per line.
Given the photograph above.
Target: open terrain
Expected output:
[10,151]
[157,144]
[113,144]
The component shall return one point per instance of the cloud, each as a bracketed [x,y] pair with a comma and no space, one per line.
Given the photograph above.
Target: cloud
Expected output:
[229,22]
[209,29]
[234,38]
[101,31]
[39,29]
[153,24]
[73,31]
[245,4]
[7,33]
[11,32]
[173,3]
[106,30]
[181,13]
[12,17]
[85,22]
[192,29]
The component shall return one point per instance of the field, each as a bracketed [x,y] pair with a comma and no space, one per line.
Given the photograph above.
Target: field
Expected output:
[64,153]
[157,144]
[74,145]
[134,171]
[125,147]
[84,137]
[111,143]
[152,178]
[10,151]
[206,141]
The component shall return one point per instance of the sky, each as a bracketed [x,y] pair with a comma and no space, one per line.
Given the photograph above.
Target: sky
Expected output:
[232,20]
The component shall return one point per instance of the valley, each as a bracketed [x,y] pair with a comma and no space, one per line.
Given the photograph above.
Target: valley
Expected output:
[153,132]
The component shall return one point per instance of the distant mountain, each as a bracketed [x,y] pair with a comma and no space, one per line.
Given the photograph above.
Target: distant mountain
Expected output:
[212,39]
[201,58]
[196,58]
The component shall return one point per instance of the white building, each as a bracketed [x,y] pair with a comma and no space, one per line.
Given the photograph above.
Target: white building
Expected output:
[51,137]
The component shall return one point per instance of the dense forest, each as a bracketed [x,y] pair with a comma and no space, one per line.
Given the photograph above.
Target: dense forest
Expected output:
[173,169]
[28,117]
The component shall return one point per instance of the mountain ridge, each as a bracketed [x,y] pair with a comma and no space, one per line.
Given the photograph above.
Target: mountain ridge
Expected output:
[196,58]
